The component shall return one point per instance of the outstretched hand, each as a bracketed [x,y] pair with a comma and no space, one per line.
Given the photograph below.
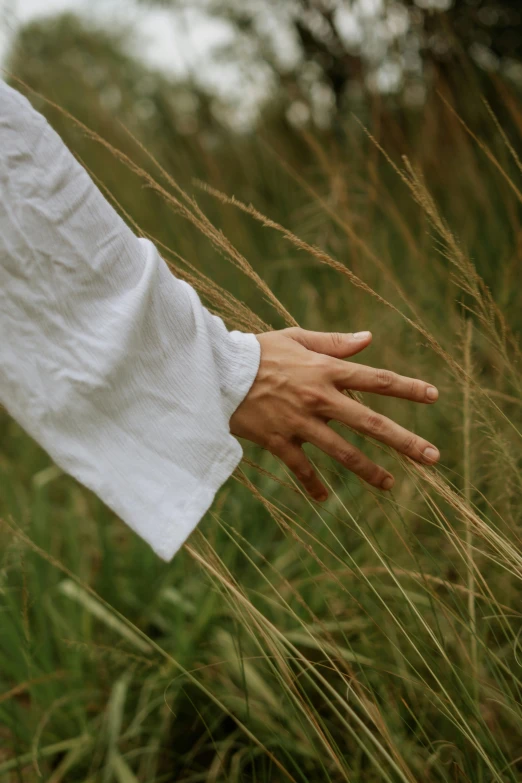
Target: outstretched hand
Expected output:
[298,390]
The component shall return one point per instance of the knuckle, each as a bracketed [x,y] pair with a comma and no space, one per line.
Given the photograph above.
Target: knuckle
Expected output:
[337,339]
[376,476]
[374,424]
[322,363]
[315,399]
[385,379]
[347,457]
[415,389]
[305,473]
[275,442]
[409,444]
[295,424]
[296,333]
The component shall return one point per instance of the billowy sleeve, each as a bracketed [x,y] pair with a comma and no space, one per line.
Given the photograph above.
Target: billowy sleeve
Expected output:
[107,360]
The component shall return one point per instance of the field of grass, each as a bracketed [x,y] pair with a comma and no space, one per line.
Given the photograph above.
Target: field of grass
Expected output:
[371,638]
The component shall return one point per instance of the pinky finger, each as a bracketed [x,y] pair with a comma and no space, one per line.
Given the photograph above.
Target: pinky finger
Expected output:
[295,458]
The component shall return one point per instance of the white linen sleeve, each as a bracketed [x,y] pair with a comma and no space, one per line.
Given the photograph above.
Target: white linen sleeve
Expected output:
[107,360]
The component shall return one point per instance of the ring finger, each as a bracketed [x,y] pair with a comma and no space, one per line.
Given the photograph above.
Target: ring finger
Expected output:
[321,435]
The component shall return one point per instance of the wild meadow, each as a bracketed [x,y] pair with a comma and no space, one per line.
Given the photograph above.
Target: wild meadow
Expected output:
[376,637]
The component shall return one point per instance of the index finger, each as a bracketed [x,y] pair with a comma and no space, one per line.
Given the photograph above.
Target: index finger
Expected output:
[359,377]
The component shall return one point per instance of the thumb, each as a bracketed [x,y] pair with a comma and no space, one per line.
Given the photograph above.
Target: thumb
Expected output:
[338,344]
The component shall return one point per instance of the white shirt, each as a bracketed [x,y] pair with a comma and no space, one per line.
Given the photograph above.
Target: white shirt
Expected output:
[106,359]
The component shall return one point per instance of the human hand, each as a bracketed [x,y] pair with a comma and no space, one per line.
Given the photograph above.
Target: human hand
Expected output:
[298,390]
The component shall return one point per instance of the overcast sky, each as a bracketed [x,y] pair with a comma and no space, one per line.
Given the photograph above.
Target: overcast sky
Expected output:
[183,42]
[174,42]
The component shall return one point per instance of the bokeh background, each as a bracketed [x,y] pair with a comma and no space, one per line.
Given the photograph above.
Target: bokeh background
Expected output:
[371,639]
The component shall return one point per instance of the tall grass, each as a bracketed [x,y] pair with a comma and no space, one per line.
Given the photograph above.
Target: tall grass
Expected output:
[368,639]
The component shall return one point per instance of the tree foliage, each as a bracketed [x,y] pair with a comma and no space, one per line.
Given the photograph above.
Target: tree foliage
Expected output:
[388,46]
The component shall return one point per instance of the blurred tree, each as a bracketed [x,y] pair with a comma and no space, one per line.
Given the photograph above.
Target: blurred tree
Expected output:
[321,51]
[490,30]
[88,71]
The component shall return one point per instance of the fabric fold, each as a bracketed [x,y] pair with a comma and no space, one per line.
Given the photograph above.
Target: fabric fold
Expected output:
[106,359]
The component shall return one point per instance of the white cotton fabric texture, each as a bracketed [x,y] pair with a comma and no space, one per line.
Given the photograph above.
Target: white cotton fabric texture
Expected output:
[106,359]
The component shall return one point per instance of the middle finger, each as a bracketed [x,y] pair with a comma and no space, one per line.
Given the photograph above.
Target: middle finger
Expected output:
[359,377]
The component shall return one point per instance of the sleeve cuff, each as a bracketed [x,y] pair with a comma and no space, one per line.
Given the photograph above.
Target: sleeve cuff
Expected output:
[244,355]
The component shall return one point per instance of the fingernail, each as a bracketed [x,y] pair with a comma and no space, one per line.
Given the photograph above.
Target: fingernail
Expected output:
[388,482]
[431,454]
[361,335]
[432,393]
